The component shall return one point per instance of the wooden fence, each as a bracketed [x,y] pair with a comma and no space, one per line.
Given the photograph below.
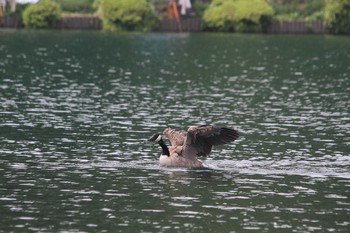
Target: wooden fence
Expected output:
[297,26]
[188,24]
[81,23]
[11,21]
[68,22]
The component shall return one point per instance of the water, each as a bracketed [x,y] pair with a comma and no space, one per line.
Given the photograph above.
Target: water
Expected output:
[77,107]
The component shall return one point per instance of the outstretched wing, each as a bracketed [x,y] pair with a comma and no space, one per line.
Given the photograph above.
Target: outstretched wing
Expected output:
[176,137]
[201,139]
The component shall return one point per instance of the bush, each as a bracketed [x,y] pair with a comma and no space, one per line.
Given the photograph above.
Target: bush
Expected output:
[298,9]
[199,7]
[76,6]
[337,16]
[127,15]
[160,7]
[41,15]
[238,15]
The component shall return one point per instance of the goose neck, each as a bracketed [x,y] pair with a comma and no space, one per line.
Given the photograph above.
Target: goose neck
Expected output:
[165,150]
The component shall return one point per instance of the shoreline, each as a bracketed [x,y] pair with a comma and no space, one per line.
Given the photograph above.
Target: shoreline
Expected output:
[188,25]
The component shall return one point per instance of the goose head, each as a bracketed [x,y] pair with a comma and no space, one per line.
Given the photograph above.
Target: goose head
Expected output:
[155,138]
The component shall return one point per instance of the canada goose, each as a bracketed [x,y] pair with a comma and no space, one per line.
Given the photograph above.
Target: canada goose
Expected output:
[187,146]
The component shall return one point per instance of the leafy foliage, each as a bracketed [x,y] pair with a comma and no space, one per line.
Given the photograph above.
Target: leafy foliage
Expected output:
[160,7]
[41,15]
[298,9]
[19,9]
[80,6]
[238,15]
[199,7]
[337,15]
[126,15]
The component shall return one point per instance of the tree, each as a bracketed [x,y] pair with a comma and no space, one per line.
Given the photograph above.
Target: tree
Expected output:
[238,15]
[337,15]
[126,15]
[41,15]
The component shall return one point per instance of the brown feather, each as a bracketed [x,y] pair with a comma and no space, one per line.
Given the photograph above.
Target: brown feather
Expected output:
[176,137]
[201,139]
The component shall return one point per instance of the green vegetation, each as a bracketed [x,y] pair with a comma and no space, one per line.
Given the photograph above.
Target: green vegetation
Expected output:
[199,7]
[76,6]
[238,15]
[337,16]
[126,15]
[287,10]
[161,7]
[220,15]
[41,15]
[19,9]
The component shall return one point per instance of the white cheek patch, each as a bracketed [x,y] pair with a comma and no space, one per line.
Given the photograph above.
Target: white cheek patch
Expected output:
[159,138]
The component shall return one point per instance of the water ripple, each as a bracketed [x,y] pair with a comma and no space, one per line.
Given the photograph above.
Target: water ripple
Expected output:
[73,125]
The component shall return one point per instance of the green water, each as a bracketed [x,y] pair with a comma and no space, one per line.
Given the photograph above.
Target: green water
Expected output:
[76,109]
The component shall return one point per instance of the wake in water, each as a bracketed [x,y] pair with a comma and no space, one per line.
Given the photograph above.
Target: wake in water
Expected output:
[315,168]
[287,167]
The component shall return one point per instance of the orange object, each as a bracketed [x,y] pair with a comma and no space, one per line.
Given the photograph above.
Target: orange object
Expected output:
[174,13]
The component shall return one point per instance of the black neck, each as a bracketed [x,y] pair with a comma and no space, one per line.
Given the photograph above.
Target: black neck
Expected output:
[164,148]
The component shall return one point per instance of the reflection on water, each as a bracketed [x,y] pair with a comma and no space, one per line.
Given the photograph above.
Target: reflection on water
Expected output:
[76,108]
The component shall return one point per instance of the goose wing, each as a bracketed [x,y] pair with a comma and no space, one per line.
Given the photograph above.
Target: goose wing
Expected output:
[176,137]
[201,139]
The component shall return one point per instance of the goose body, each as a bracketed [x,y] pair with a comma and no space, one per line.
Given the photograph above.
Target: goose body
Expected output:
[187,146]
